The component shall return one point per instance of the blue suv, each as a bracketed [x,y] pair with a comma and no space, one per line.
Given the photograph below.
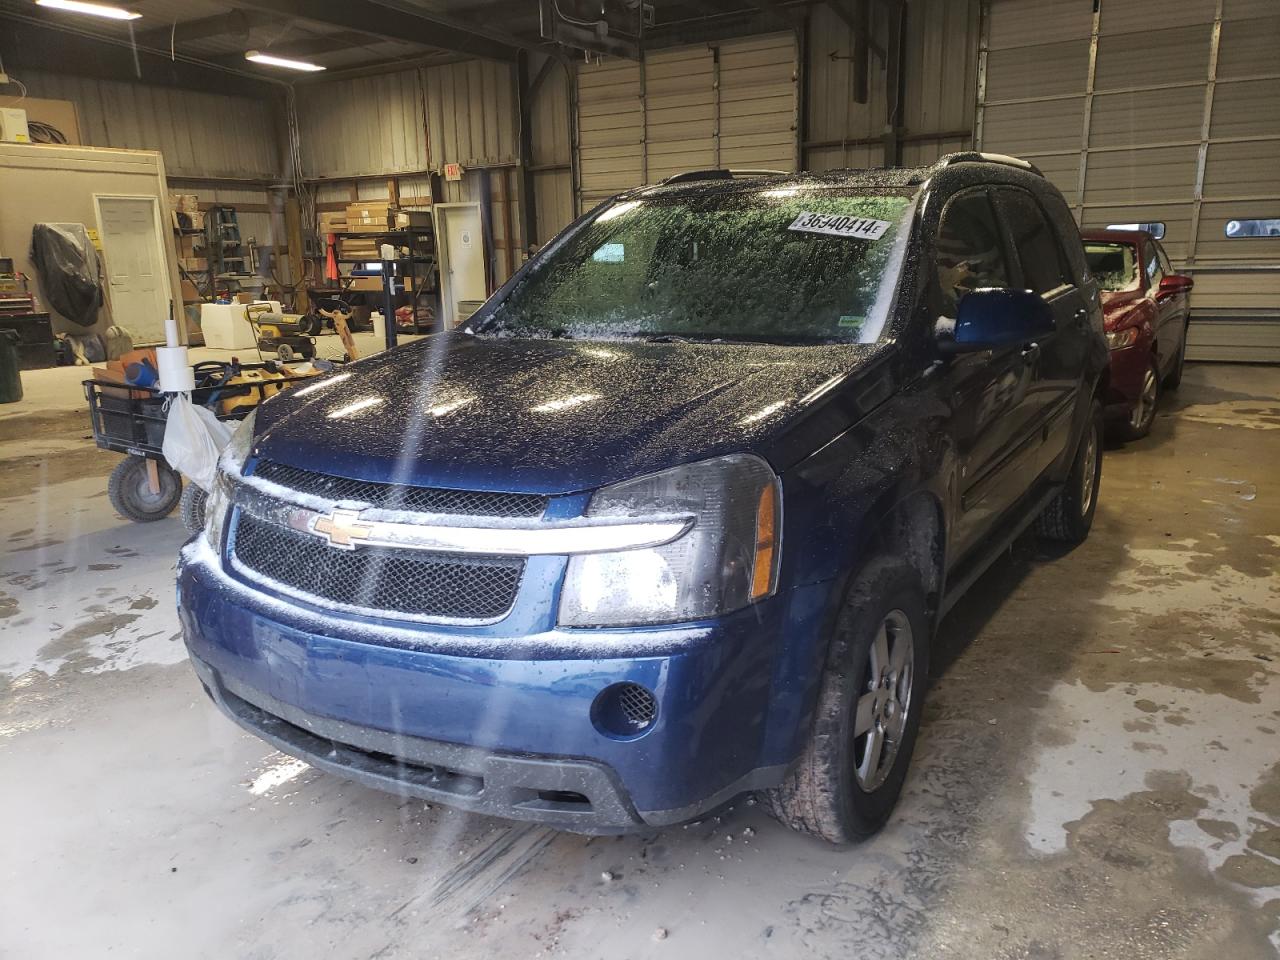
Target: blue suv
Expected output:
[676,515]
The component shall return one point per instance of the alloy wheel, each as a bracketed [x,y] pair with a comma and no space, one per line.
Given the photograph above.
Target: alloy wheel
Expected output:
[881,715]
[1088,470]
[1144,411]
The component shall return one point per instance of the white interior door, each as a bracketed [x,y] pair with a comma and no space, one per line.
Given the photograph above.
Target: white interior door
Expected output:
[460,248]
[136,269]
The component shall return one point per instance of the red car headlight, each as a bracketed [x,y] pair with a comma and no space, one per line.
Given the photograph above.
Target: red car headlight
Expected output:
[1118,339]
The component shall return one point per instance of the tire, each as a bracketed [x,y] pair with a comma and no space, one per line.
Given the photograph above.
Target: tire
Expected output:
[191,508]
[131,495]
[1069,515]
[1143,414]
[1174,380]
[835,792]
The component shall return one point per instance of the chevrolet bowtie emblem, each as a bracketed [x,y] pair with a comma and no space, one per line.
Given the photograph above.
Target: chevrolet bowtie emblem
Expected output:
[341,528]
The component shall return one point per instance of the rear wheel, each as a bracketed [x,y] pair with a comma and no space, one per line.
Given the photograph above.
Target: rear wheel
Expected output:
[129,490]
[852,768]
[1069,515]
[1143,414]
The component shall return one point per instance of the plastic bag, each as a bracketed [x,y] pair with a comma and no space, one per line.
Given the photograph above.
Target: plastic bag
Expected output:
[193,439]
[68,270]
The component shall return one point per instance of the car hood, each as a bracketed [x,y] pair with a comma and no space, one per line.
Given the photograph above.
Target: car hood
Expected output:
[554,416]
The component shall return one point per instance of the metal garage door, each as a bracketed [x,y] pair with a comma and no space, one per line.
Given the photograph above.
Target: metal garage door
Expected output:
[1154,111]
[726,104]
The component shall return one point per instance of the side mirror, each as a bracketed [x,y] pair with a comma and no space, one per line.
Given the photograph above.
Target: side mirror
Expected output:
[1175,283]
[991,318]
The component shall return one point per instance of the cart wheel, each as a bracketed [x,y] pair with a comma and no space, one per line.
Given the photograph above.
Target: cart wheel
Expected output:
[285,353]
[130,492]
[191,507]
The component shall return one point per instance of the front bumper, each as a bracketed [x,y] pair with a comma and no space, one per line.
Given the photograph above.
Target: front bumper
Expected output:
[1128,367]
[462,721]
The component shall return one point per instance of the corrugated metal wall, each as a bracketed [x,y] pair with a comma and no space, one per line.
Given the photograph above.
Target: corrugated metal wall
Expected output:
[728,103]
[471,114]
[364,126]
[552,148]
[409,122]
[941,70]
[200,134]
[1155,110]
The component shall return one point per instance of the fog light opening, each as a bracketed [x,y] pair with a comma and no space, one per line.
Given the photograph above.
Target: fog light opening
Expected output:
[624,711]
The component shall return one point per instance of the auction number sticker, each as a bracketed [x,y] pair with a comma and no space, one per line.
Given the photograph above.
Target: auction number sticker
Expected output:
[834,225]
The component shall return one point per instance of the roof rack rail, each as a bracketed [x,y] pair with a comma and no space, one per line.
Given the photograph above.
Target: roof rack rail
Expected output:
[689,176]
[975,156]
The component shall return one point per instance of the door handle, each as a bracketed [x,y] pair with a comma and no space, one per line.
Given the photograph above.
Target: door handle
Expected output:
[1030,353]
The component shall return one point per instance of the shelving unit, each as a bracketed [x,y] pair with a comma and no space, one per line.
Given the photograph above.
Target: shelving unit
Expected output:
[417,266]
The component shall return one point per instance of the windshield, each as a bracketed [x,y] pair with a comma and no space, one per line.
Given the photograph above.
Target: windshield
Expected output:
[789,265]
[1113,265]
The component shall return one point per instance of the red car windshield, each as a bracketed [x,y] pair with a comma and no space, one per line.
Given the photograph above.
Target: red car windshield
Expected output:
[1113,265]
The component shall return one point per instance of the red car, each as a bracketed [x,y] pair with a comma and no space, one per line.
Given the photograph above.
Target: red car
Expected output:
[1145,311]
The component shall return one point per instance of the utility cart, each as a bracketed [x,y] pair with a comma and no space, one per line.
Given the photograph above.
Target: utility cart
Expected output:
[131,420]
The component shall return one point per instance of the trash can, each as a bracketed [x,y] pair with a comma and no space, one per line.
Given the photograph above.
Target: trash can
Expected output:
[10,378]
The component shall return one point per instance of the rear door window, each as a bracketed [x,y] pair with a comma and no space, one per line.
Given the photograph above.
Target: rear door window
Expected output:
[1044,266]
[969,251]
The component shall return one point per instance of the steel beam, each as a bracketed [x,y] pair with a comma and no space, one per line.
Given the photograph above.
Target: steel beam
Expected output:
[414,25]
[37,46]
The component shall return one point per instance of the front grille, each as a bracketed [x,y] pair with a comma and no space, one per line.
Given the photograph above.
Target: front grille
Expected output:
[382,581]
[390,496]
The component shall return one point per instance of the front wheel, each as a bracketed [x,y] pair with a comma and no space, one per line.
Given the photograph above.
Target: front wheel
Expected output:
[1069,515]
[1143,414]
[129,490]
[852,768]
[191,508]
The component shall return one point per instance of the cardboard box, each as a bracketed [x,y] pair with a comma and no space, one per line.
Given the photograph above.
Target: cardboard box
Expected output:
[374,284]
[184,202]
[350,249]
[413,219]
[197,219]
[194,264]
[188,245]
[333,221]
[370,217]
[189,292]
[114,371]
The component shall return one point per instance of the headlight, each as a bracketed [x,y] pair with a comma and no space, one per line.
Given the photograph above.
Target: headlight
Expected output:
[1118,339]
[230,464]
[728,559]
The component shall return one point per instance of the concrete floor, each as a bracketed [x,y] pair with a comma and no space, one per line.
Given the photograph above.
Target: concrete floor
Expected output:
[1097,774]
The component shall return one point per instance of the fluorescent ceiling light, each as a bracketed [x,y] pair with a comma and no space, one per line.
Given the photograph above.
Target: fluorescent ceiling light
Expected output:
[93,9]
[258,57]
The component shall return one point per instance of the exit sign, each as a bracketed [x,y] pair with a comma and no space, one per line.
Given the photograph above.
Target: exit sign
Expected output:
[453,171]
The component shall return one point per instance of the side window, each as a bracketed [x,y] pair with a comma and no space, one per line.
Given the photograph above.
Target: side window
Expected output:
[1155,273]
[970,252]
[1164,259]
[1040,253]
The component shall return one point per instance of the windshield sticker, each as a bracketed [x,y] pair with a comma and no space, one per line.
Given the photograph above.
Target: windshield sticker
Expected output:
[833,225]
[848,320]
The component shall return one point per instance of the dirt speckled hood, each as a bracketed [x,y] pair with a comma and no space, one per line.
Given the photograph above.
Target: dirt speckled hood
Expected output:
[556,416]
